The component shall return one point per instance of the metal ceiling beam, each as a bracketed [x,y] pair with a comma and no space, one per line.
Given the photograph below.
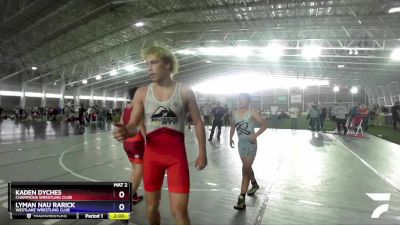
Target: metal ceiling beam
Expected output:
[215,66]
[12,74]
[145,76]
[118,77]
[105,51]
[379,44]
[35,12]
[220,9]
[20,12]
[289,40]
[325,23]
[145,79]
[70,26]
[155,15]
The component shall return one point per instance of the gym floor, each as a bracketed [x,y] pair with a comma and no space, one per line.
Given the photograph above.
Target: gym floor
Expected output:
[304,178]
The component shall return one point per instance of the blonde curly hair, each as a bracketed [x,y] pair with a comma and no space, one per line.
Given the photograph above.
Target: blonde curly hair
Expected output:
[164,54]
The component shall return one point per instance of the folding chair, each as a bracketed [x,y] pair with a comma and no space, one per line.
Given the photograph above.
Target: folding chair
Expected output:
[356,126]
[336,131]
[93,118]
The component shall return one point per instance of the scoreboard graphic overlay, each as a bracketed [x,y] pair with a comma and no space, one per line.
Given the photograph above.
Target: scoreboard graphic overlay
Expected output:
[69,200]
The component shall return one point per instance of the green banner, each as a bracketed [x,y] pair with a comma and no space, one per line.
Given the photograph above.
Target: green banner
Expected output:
[281,99]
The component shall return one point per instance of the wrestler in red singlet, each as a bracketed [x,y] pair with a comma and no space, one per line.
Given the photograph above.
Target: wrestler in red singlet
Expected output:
[133,146]
[134,149]
[161,105]
[165,147]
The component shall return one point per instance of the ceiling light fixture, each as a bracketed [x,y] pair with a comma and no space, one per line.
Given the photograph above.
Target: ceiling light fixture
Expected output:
[186,52]
[395,54]
[244,82]
[336,88]
[310,52]
[354,90]
[394,10]
[139,24]
[273,52]
[130,68]
[303,86]
[113,72]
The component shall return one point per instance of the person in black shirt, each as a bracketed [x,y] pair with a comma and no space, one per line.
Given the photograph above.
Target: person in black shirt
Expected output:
[81,118]
[218,113]
[324,111]
[226,117]
[396,114]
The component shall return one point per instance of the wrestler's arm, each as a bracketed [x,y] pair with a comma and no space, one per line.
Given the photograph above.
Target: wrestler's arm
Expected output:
[131,128]
[190,101]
